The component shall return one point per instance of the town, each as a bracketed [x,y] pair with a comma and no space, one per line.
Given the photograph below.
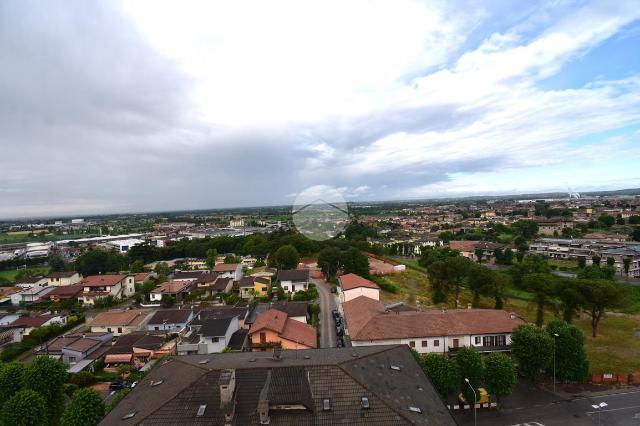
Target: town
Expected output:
[213,317]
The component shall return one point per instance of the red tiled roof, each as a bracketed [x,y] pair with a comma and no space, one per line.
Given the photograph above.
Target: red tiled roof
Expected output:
[296,331]
[226,267]
[272,319]
[119,318]
[351,281]
[102,280]
[141,276]
[64,292]
[367,320]
[172,287]
[33,321]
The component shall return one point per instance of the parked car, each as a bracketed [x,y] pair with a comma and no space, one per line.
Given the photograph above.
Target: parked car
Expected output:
[335,313]
[117,385]
[334,290]
[338,322]
[340,342]
[340,331]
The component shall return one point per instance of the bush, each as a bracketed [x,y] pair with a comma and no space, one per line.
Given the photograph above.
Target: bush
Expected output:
[385,285]
[83,379]
[85,409]
[69,389]
[25,408]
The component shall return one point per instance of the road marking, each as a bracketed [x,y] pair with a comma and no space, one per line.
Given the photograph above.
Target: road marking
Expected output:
[528,424]
[613,409]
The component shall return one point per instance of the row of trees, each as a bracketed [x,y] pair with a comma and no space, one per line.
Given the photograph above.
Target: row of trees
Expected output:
[496,372]
[34,395]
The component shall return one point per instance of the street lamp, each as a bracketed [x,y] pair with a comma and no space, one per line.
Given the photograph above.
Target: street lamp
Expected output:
[555,336]
[599,408]
[475,398]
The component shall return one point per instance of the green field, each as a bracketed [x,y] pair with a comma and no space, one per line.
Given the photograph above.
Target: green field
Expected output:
[10,275]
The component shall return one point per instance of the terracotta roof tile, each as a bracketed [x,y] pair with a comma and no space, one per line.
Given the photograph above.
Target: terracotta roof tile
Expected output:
[129,318]
[351,281]
[102,280]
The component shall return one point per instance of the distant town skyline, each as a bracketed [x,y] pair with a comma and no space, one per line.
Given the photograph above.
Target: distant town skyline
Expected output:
[150,106]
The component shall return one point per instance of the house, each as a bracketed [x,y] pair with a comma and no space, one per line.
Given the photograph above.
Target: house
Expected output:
[352,286]
[5,295]
[170,320]
[225,311]
[378,385]
[75,350]
[188,275]
[64,278]
[7,318]
[229,270]
[298,311]
[174,289]
[248,287]
[486,330]
[119,322]
[137,349]
[10,334]
[140,277]
[294,280]
[553,226]
[31,282]
[273,328]
[471,249]
[70,292]
[99,286]
[31,323]
[31,295]
[220,286]
[206,280]
[208,336]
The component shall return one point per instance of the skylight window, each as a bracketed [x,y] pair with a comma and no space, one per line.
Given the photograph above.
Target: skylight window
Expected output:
[156,382]
[129,415]
[204,361]
[415,410]
[365,402]
[395,367]
[326,404]
[201,410]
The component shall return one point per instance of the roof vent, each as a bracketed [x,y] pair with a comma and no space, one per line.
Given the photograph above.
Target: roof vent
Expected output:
[204,361]
[307,357]
[252,360]
[512,315]
[415,410]
[355,355]
[129,415]
[156,382]
[201,409]
[395,367]
[364,401]
[326,405]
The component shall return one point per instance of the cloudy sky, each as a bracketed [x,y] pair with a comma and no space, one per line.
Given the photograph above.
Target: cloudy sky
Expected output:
[157,105]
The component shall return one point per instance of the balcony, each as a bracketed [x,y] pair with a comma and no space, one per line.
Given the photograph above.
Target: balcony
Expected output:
[483,349]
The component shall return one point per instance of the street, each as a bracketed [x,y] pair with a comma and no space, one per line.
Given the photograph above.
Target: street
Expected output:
[327,304]
[528,407]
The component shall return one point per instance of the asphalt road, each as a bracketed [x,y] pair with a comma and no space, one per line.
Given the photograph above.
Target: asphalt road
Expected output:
[327,304]
[623,409]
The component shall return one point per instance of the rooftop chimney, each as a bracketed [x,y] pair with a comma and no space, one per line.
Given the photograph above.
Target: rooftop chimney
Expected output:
[263,401]
[227,395]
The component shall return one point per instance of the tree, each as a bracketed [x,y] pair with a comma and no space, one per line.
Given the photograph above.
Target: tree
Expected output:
[10,380]
[480,282]
[286,257]
[443,373]
[46,376]
[634,220]
[479,254]
[434,254]
[470,367]
[329,260]
[532,348]
[527,229]
[354,261]
[85,409]
[500,374]
[607,220]
[571,358]
[137,266]
[162,269]
[599,295]
[56,263]
[543,286]
[611,261]
[596,260]
[570,296]
[595,272]
[582,262]
[25,408]
[534,264]
[626,263]
[212,257]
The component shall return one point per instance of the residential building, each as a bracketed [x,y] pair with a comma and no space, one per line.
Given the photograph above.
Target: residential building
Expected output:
[30,295]
[76,350]
[64,278]
[294,280]
[471,249]
[220,286]
[208,336]
[444,331]
[137,349]
[239,310]
[381,385]
[352,286]
[298,311]
[274,329]
[31,323]
[65,293]
[6,293]
[118,286]
[27,283]
[140,277]
[229,270]
[8,318]
[119,322]
[249,287]
[170,320]
[174,289]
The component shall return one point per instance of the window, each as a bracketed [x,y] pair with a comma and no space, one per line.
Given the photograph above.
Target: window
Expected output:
[436,343]
[109,329]
[120,330]
[156,328]
[477,340]
[215,340]
[494,341]
[425,343]
[412,343]
[285,288]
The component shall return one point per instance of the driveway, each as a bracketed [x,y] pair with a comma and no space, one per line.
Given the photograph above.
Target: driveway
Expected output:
[327,304]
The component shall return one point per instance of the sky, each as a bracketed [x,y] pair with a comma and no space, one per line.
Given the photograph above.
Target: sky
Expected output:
[139,106]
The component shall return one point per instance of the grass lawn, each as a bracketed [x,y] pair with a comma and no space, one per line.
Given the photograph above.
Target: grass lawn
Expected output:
[412,286]
[11,274]
[410,263]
